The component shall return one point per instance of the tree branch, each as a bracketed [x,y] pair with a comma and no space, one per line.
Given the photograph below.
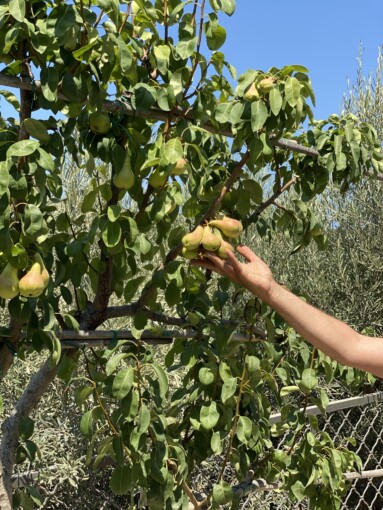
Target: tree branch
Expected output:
[156,114]
[36,388]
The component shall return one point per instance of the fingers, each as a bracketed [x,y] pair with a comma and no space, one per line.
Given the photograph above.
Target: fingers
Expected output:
[249,255]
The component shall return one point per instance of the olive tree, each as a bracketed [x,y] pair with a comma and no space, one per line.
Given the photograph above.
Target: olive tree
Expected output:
[161,135]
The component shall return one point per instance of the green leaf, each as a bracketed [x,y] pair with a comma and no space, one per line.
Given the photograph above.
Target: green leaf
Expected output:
[86,424]
[215,34]
[144,96]
[209,415]
[226,6]
[309,379]
[37,129]
[228,389]
[66,19]
[45,160]
[275,98]
[34,223]
[111,234]
[49,83]
[162,379]
[143,419]
[244,428]
[113,362]
[126,59]
[26,427]
[123,383]
[162,54]
[22,148]
[120,480]
[82,393]
[11,98]
[74,87]
[222,493]
[286,390]
[185,48]
[17,9]
[216,443]
[298,489]
[173,150]
[259,114]
[292,90]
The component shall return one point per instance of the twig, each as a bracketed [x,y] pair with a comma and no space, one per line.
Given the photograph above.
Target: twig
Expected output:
[196,61]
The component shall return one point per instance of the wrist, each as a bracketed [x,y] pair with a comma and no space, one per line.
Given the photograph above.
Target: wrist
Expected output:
[271,293]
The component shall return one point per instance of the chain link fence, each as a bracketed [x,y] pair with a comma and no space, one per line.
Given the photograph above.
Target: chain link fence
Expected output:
[357,417]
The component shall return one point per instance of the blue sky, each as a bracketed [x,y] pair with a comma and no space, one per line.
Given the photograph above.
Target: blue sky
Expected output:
[324,36]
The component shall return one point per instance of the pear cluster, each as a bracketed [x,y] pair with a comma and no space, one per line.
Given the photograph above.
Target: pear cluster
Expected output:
[256,89]
[211,237]
[32,284]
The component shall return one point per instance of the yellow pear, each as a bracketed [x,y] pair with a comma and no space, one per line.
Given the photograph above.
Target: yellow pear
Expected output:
[210,241]
[180,167]
[190,254]
[266,85]
[32,284]
[221,252]
[157,179]
[193,240]
[9,282]
[44,272]
[228,226]
[251,93]
[124,179]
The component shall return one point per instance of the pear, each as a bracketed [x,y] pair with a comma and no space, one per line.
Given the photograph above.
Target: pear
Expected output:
[180,167]
[251,93]
[99,123]
[9,282]
[228,226]
[221,252]
[210,241]
[44,272]
[266,85]
[157,179]
[193,240]
[124,179]
[190,254]
[32,284]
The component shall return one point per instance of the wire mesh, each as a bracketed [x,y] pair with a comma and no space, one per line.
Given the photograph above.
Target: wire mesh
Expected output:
[363,422]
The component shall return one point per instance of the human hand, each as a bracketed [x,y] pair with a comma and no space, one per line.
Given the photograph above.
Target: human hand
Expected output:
[255,275]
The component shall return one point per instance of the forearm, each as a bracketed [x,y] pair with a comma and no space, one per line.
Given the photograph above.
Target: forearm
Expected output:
[328,334]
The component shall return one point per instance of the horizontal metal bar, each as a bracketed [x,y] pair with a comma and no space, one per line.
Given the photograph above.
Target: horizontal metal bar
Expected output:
[338,405]
[79,339]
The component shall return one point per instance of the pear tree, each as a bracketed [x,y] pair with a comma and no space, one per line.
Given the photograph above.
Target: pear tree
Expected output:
[178,152]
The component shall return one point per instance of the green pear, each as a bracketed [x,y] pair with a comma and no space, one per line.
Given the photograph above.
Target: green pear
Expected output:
[228,226]
[251,93]
[221,252]
[266,85]
[99,122]
[124,179]
[32,284]
[210,241]
[44,272]
[190,254]
[157,179]
[192,240]
[9,282]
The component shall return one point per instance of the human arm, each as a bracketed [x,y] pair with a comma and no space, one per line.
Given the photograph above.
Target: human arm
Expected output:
[331,336]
